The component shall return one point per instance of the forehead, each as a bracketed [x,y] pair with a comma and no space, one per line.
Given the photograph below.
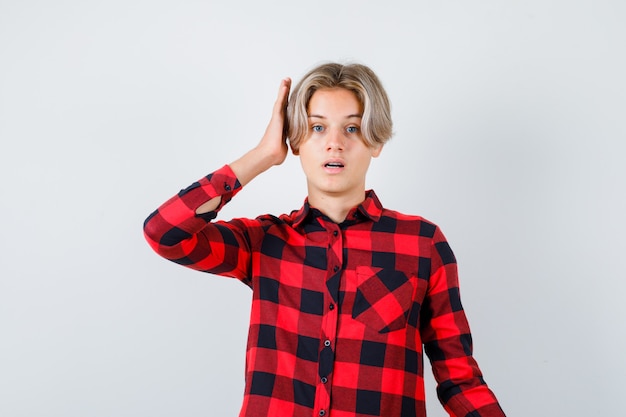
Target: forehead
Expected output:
[334,100]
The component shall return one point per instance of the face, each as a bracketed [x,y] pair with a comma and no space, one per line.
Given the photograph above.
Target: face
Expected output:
[333,155]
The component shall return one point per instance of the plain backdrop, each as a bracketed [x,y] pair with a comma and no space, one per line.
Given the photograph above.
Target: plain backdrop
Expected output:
[509,134]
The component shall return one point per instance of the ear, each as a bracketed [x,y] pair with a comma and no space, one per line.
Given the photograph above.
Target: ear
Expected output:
[376,150]
[294,150]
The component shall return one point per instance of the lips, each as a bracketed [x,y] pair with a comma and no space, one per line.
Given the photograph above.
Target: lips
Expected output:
[334,163]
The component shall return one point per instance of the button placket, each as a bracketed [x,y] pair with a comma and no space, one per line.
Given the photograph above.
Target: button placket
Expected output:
[329,327]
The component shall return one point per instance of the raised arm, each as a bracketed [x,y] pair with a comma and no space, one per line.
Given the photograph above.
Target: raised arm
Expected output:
[182,229]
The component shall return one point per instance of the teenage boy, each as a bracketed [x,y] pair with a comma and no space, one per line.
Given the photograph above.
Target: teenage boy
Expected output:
[347,295]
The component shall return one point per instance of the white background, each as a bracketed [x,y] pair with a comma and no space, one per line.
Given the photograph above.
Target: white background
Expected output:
[509,133]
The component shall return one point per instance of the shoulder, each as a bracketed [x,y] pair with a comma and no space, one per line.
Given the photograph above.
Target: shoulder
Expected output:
[408,223]
[267,221]
[276,219]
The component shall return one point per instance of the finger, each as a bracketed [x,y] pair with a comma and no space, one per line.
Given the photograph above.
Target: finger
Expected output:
[285,85]
[283,94]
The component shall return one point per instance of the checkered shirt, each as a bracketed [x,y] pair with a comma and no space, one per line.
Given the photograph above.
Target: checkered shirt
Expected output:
[341,313]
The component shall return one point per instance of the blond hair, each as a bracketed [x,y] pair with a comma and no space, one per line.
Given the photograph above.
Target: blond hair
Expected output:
[376,124]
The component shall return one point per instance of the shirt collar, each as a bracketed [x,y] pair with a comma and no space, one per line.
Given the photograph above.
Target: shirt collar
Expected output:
[370,208]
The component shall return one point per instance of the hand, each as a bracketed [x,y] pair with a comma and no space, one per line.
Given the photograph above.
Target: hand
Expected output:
[274,141]
[272,150]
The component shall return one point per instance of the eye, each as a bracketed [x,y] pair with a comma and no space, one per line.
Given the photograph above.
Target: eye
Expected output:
[317,128]
[352,129]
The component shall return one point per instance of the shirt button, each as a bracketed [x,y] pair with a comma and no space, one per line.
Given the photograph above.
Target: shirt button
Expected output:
[327,343]
[324,380]
[331,307]
[335,233]
[322,413]
[226,187]
[335,268]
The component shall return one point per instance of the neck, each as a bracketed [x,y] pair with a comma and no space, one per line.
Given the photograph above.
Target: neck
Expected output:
[336,207]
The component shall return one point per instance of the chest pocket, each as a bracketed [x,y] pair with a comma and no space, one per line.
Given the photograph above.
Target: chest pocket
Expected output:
[383,298]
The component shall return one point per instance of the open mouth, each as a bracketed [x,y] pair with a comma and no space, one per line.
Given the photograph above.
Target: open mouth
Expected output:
[333,165]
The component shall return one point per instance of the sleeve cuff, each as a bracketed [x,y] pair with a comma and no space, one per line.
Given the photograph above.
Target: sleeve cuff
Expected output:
[221,183]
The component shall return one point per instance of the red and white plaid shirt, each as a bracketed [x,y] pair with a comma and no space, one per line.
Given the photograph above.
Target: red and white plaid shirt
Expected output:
[340,312]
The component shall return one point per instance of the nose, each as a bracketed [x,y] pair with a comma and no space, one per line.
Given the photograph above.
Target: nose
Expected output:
[335,140]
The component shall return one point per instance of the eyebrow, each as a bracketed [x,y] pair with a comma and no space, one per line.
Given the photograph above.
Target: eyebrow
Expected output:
[350,116]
